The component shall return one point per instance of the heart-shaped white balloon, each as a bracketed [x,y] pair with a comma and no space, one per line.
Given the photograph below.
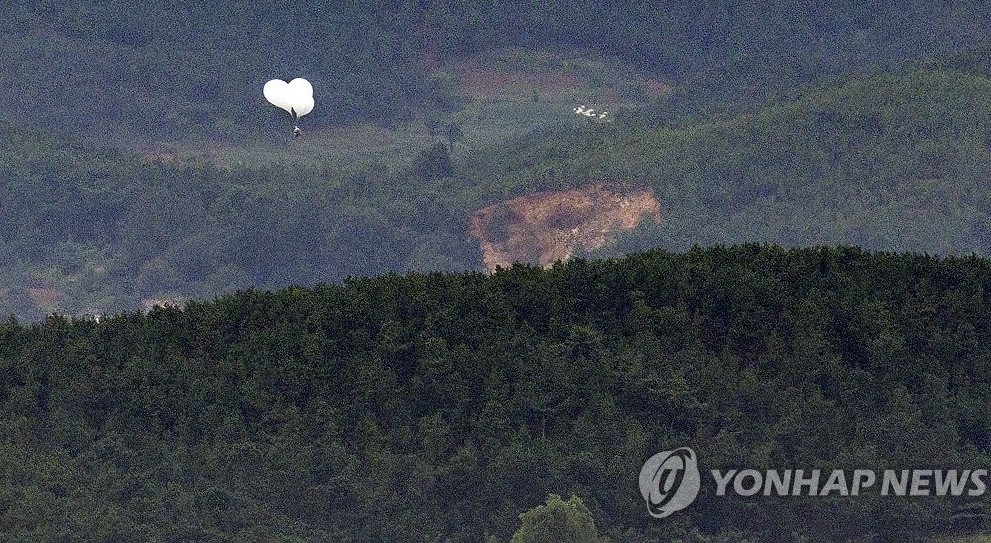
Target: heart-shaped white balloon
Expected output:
[296,96]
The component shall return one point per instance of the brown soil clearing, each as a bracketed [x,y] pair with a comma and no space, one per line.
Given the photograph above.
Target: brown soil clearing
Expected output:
[547,227]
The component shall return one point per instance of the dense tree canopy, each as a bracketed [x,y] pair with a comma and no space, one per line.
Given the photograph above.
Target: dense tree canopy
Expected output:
[375,404]
[566,521]
[435,406]
[163,69]
[891,161]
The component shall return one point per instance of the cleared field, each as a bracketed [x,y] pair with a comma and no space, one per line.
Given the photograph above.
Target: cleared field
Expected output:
[502,94]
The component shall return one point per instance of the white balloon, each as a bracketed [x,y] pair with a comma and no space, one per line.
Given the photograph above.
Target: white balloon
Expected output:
[303,106]
[294,96]
[276,92]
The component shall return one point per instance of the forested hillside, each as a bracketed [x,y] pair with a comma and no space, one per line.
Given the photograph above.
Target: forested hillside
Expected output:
[87,230]
[774,122]
[124,70]
[219,334]
[441,407]
[898,160]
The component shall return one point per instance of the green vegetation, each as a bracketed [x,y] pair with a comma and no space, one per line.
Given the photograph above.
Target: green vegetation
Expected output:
[893,161]
[366,405]
[435,406]
[129,70]
[557,520]
[102,230]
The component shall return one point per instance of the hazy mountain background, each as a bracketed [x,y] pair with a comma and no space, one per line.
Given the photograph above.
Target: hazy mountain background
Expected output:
[141,163]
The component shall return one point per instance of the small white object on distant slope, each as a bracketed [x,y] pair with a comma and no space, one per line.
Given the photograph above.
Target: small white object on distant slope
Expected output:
[591,114]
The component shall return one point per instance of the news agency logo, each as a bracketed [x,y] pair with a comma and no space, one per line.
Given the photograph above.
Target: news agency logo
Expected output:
[670,481]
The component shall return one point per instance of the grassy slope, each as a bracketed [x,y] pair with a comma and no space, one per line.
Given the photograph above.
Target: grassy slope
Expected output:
[892,161]
[330,172]
[492,99]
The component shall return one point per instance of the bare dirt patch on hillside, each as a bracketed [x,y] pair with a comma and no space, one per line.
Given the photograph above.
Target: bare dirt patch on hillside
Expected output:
[532,74]
[546,227]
